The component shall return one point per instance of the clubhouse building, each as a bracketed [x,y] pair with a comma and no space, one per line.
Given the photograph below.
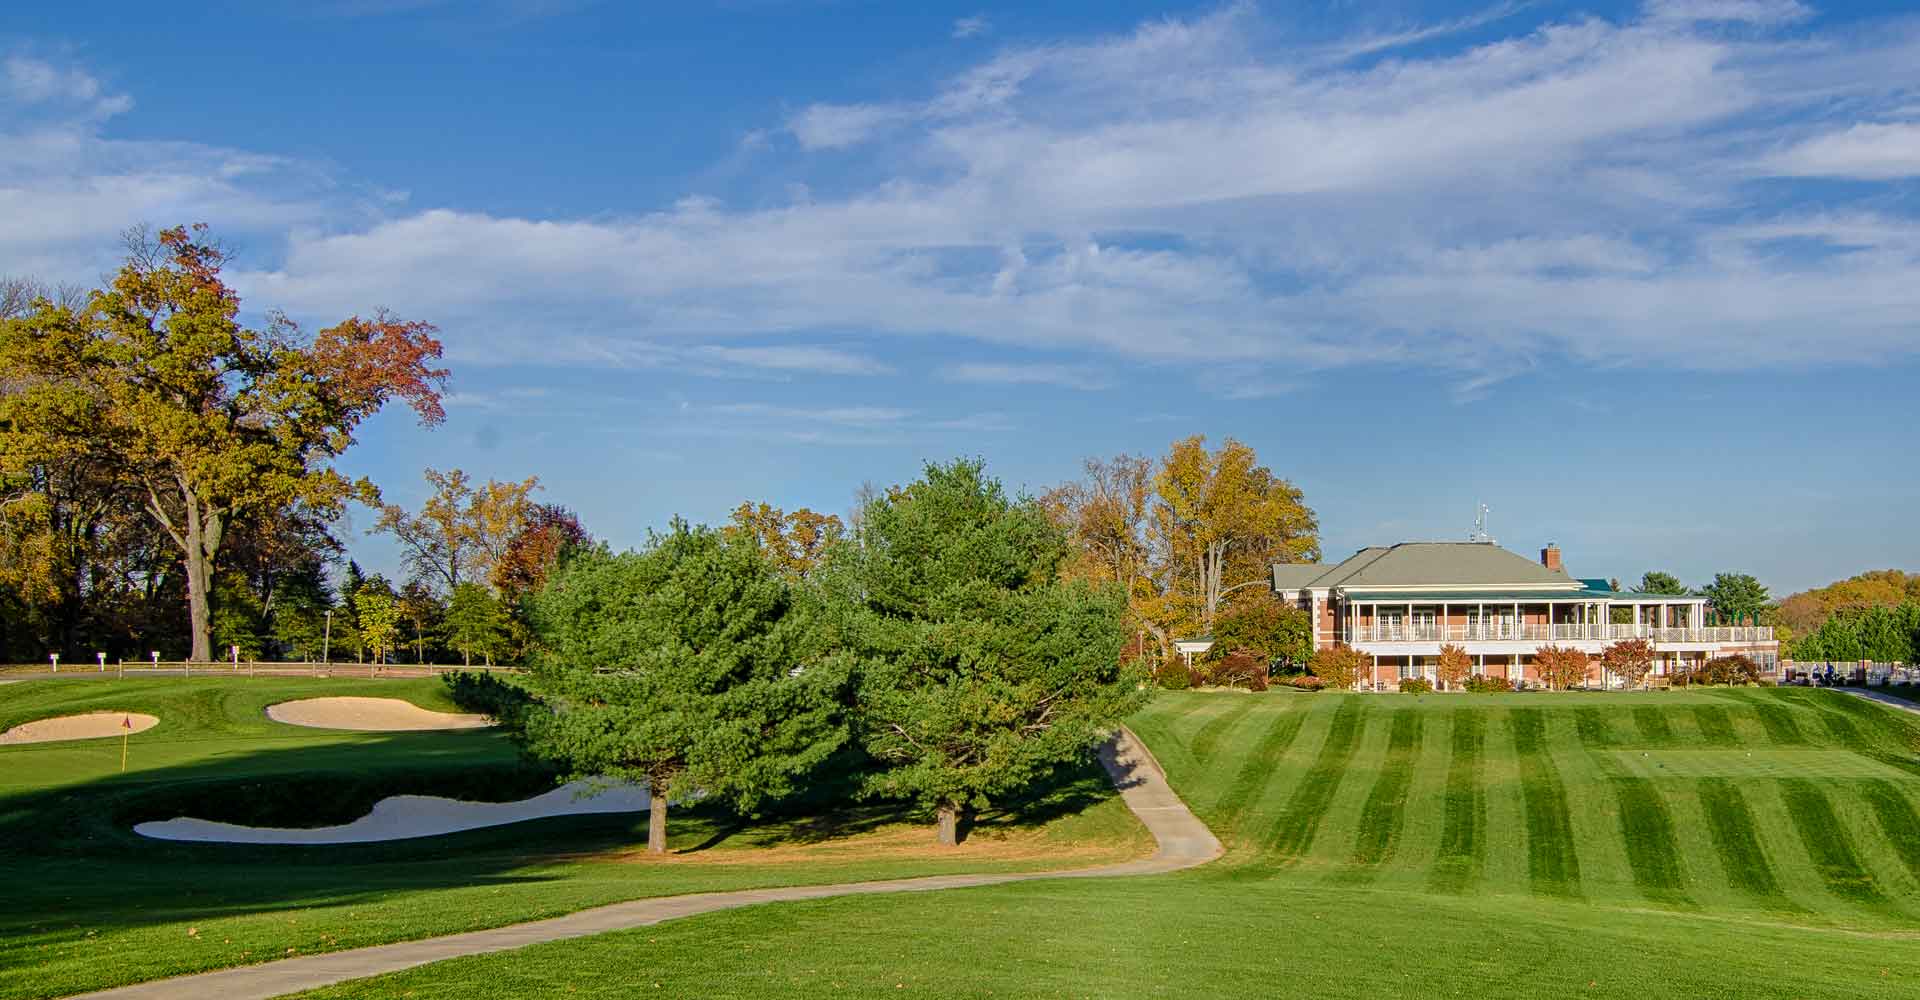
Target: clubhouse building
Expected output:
[1399,604]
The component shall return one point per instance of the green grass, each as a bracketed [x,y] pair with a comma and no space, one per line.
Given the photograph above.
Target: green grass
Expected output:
[91,905]
[1696,882]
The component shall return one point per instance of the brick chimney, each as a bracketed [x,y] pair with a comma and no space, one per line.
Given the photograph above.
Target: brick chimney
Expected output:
[1550,558]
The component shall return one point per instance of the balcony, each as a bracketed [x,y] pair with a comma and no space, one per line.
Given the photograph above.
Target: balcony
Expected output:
[1498,631]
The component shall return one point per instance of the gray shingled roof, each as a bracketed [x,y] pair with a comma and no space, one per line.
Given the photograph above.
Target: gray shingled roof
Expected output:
[1427,564]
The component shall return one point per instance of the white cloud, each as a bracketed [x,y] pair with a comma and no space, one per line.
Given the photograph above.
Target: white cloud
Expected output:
[30,81]
[1867,151]
[1190,193]
[971,27]
[834,126]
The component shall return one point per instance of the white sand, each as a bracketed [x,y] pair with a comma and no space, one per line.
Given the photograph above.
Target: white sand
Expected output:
[383,715]
[402,816]
[91,726]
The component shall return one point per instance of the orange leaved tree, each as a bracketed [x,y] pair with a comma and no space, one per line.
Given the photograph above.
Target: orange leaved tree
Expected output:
[1455,665]
[1341,666]
[1632,659]
[1561,667]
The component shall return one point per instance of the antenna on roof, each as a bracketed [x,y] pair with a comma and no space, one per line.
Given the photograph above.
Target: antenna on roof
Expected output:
[1480,526]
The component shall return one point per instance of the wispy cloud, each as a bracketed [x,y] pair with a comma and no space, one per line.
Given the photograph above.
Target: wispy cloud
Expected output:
[1063,376]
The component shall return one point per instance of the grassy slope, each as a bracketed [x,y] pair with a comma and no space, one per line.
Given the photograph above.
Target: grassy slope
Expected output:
[1700,844]
[90,905]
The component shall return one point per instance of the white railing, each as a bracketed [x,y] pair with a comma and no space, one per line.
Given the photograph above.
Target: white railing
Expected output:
[1564,632]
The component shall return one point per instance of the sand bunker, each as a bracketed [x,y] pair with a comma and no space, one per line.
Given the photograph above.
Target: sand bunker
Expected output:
[91,726]
[401,817]
[384,715]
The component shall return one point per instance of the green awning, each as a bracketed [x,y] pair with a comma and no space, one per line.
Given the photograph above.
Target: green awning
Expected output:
[1508,596]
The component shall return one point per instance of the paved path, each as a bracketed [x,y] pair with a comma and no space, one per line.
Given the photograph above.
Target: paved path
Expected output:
[1184,842]
[1884,699]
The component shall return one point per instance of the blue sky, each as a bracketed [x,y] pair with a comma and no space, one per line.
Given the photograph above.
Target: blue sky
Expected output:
[1645,278]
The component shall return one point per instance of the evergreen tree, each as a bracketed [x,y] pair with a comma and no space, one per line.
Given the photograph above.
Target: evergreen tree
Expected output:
[979,670]
[691,665]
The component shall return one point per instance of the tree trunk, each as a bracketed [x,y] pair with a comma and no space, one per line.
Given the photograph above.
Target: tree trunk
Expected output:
[656,819]
[947,824]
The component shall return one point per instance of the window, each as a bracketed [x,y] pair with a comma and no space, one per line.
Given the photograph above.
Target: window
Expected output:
[1389,624]
[1422,624]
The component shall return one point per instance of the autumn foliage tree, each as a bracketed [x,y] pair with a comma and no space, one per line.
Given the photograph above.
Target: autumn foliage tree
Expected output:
[1181,535]
[1224,519]
[205,419]
[1561,667]
[547,533]
[462,530]
[1631,659]
[1454,666]
[1340,665]
[796,541]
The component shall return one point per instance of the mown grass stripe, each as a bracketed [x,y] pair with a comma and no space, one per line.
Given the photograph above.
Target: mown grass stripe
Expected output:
[1898,822]
[1653,724]
[1781,729]
[1292,834]
[1386,804]
[1827,842]
[1715,728]
[1260,766]
[1595,733]
[1553,868]
[1730,821]
[1462,847]
[1208,738]
[1647,830]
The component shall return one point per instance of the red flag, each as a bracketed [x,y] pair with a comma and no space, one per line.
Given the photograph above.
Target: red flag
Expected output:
[126,723]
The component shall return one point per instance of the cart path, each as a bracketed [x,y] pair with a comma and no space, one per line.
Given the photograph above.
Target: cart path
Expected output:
[1884,699]
[1184,842]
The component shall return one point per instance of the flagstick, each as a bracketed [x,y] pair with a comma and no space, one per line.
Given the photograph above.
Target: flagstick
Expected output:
[123,750]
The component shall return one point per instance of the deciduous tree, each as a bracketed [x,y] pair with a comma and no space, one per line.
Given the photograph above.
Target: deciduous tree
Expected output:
[796,542]
[477,622]
[1454,666]
[549,532]
[1340,665]
[208,419]
[1631,659]
[1561,667]
[1257,622]
[979,669]
[463,530]
[1224,519]
[691,665]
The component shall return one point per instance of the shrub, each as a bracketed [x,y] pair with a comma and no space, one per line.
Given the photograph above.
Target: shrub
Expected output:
[1173,677]
[1482,684]
[1340,666]
[1735,669]
[1240,668]
[1416,685]
[1305,682]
